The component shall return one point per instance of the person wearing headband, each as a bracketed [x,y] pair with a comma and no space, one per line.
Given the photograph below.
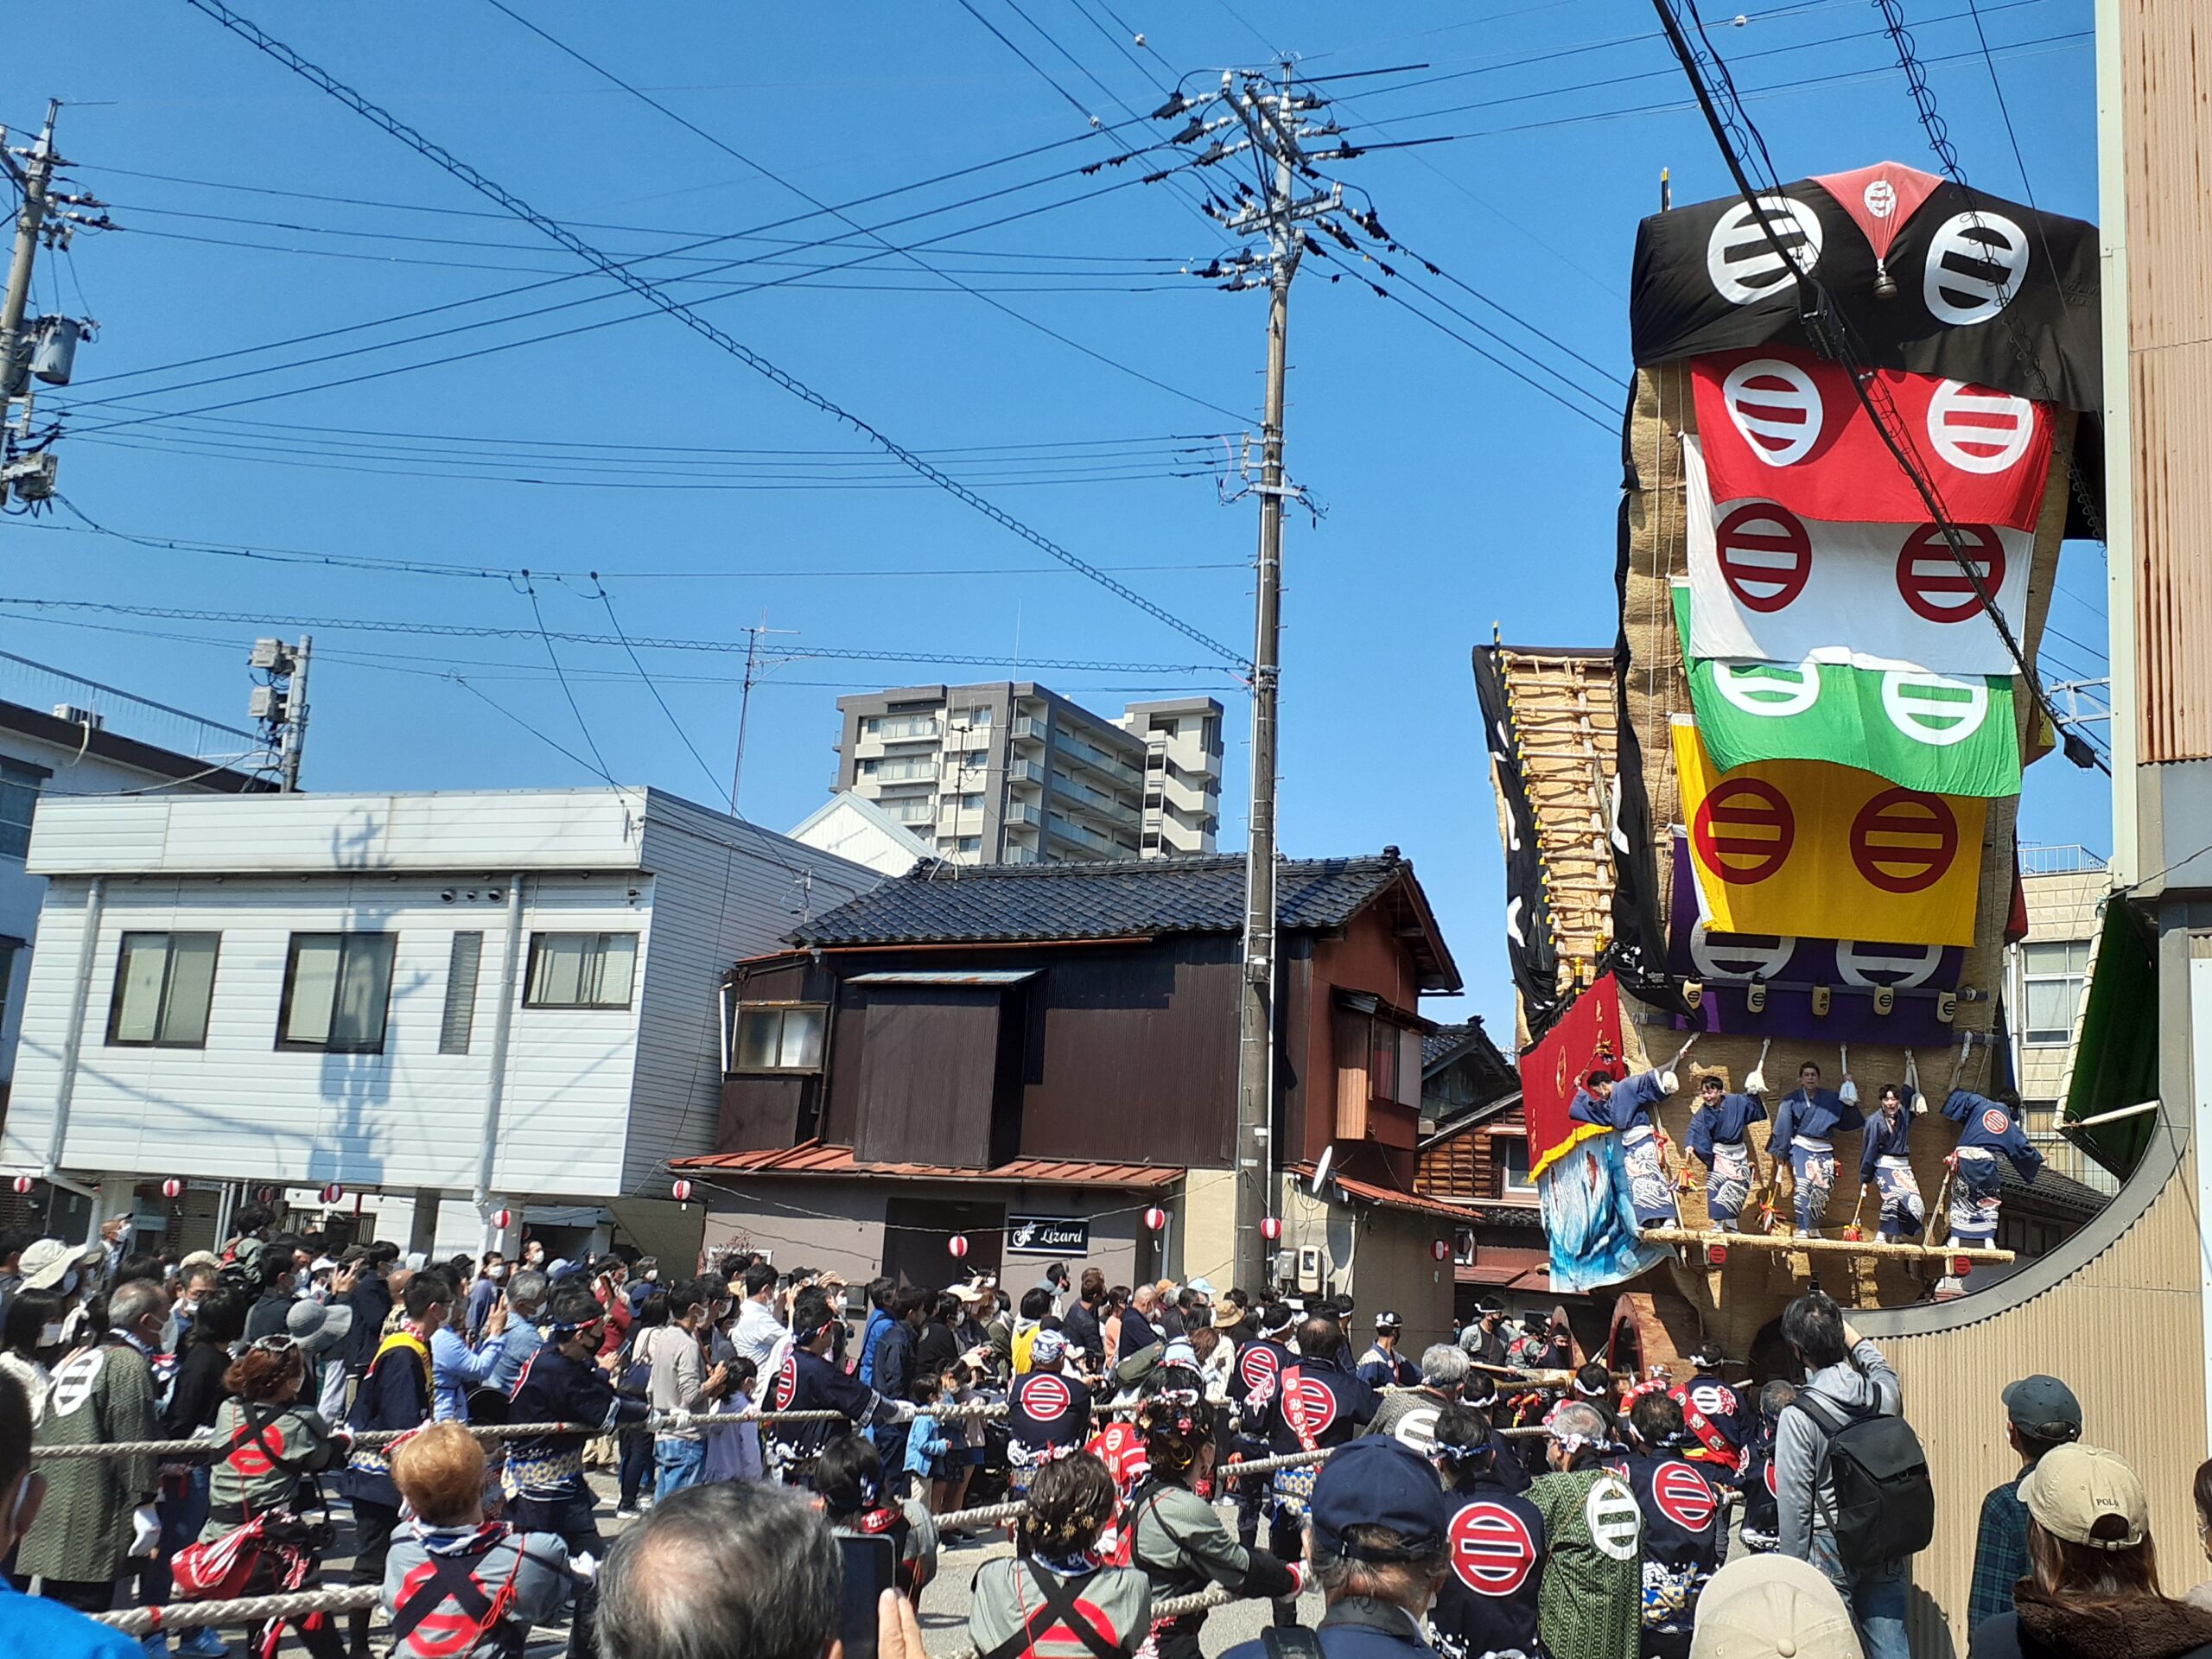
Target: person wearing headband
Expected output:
[1259,1368]
[1630,1107]
[1318,1405]
[1591,1602]
[1036,1601]
[544,1480]
[806,1378]
[1047,1412]
[1178,1540]
[1683,1533]
[1720,1135]
[1488,1603]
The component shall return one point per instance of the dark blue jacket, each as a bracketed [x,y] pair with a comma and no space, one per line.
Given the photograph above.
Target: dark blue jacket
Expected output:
[1355,1628]
[1317,1404]
[1728,1122]
[394,1395]
[1885,1140]
[1632,1102]
[555,1388]
[1488,1600]
[1820,1114]
[1984,1122]
[809,1383]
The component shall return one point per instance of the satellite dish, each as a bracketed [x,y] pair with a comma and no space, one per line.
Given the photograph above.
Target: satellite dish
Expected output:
[1321,1170]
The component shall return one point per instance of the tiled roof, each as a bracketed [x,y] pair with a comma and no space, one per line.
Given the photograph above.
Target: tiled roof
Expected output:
[950,904]
[815,1159]
[1440,1043]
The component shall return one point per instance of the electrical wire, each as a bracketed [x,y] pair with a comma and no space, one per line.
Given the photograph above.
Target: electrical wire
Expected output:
[78,404]
[464,631]
[816,202]
[705,239]
[677,309]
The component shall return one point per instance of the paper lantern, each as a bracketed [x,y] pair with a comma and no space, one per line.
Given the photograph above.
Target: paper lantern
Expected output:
[1441,1250]
[957,1246]
[267,1194]
[171,1188]
[682,1190]
[502,1219]
[23,1183]
[332,1192]
[1271,1227]
[1155,1218]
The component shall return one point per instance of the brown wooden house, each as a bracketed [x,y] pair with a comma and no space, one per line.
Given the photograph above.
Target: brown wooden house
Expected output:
[1474,1156]
[1030,1058]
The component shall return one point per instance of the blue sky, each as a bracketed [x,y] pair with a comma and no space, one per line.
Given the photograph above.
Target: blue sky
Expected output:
[1454,495]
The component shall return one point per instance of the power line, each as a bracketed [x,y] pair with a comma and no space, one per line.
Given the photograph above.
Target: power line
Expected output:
[464,631]
[816,202]
[705,240]
[677,309]
[733,291]
[599,763]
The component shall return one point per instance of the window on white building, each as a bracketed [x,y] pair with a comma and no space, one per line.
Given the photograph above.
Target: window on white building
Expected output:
[337,992]
[458,1024]
[19,786]
[163,983]
[780,1037]
[580,970]
[2053,974]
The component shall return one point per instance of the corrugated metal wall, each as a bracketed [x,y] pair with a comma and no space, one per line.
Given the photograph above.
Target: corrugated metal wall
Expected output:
[2166,65]
[2126,1332]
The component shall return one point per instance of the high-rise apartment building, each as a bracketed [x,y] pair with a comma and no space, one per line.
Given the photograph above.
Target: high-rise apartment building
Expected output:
[1012,772]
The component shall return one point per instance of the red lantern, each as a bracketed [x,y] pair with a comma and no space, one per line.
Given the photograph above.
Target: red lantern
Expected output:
[171,1188]
[1155,1218]
[23,1183]
[957,1246]
[267,1195]
[332,1192]
[1441,1250]
[1271,1227]
[502,1219]
[682,1190]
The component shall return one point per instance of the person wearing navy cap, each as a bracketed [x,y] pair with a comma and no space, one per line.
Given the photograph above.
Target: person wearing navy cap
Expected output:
[1378,1549]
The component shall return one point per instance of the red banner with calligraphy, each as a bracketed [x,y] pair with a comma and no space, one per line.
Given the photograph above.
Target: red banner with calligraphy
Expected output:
[1587,1036]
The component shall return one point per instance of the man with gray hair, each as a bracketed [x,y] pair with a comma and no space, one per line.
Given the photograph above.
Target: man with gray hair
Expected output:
[1591,1604]
[736,1570]
[99,1512]
[526,1294]
[1410,1415]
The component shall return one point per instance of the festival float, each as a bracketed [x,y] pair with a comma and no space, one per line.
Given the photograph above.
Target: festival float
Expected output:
[1774,823]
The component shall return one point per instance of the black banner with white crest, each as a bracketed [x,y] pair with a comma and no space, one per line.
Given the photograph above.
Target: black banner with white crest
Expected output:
[1528,944]
[1932,279]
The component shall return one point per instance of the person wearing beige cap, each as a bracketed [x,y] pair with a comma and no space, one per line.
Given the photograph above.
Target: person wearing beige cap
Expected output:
[1769,1606]
[2091,1589]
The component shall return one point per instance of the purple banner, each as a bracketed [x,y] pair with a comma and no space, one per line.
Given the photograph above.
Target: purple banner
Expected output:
[1851,969]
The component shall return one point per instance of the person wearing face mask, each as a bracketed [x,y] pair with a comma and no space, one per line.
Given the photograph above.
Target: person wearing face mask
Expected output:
[486,1291]
[29,1333]
[563,1383]
[30,1625]
[99,1512]
[395,1394]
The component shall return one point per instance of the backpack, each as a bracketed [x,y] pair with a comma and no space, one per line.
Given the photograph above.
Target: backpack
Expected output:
[1885,1500]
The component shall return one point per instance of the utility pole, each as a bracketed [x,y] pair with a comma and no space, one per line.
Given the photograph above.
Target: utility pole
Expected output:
[279,703]
[35,178]
[745,701]
[1274,120]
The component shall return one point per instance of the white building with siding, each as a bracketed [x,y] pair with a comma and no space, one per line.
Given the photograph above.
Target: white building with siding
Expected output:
[457,1002]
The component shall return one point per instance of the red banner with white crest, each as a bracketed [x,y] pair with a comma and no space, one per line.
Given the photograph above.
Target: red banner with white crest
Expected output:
[1786,426]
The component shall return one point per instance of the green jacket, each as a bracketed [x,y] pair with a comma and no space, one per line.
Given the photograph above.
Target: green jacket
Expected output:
[99,1396]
